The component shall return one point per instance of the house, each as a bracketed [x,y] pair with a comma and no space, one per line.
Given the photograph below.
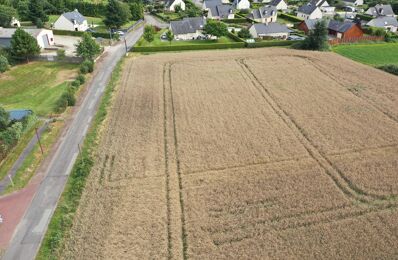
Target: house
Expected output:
[344,30]
[336,29]
[241,4]
[353,2]
[71,21]
[387,22]
[265,14]
[271,30]
[170,5]
[380,10]
[221,12]
[315,9]
[44,38]
[189,28]
[279,4]
[209,3]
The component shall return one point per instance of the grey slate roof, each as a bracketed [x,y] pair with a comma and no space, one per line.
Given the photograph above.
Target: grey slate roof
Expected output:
[275,2]
[331,24]
[187,25]
[383,21]
[310,6]
[75,15]
[264,29]
[221,11]
[263,12]
[380,10]
[210,3]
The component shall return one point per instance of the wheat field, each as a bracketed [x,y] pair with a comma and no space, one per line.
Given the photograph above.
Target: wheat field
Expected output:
[244,154]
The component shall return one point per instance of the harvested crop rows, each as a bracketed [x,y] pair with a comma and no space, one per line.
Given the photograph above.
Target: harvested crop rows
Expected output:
[247,154]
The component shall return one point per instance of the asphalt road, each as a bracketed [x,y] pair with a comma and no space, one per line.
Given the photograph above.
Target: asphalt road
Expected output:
[149,19]
[33,226]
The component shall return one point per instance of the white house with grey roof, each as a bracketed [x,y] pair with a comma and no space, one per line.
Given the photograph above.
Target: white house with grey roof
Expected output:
[271,30]
[44,38]
[221,11]
[380,10]
[265,14]
[241,4]
[279,4]
[353,2]
[71,21]
[210,3]
[315,9]
[389,23]
[170,5]
[189,28]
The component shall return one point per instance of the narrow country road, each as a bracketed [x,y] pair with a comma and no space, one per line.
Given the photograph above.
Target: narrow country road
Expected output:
[150,19]
[33,226]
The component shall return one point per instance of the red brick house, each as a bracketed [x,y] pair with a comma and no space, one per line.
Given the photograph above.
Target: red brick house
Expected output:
[337,29]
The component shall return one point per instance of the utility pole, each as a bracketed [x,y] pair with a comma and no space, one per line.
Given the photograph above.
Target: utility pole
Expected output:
[38,139]
[125,44]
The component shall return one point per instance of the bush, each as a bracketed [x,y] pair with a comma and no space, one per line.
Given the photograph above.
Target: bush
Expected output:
[61,54]
[270,44]
[89,64]
[390,68]
[290,18]
[149,33]
[190,47]
[61,104]
[4,65]
[83,69]
[244,33]
[75,83]
[81,78]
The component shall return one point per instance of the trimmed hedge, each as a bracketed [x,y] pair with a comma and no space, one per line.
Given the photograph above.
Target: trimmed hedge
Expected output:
[79,34]
[364,17]
[390,68]
[235,20]
[190,47]
[290,18]
[270,44]
[235,37]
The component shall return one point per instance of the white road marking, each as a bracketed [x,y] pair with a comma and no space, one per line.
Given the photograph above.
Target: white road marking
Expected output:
[43,221]
[72,162]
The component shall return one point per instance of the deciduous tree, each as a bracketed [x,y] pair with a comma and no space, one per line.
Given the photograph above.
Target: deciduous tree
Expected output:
[23,45]
[87,48]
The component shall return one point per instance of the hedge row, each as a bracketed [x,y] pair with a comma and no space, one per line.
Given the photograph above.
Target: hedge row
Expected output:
[364,17]
[79,34]
[235,37]
[240,44]
[290,18]
[270,44]
[189,47]
[235,20]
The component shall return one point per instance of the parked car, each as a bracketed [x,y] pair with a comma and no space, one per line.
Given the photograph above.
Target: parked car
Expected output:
[295,38]
[121,33]
[163,36]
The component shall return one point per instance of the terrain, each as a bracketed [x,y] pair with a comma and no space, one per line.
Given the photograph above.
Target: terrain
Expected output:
[253,154]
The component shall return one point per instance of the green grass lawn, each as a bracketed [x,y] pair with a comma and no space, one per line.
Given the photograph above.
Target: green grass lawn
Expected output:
[36,86]
[375,54]
[158,42]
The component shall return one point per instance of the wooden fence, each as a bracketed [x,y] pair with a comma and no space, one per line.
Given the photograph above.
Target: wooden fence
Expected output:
[355,39]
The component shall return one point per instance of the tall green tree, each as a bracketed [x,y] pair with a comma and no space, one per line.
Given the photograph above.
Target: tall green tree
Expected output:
[149,33]
[87,48]
[4,119]
[117,14]
[23,45]
[215,28]
[23,10]
[6,15]
[317,39]
[36,12]
[169,36]
[137,11]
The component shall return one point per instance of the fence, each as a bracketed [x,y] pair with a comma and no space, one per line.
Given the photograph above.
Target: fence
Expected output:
[356,39]
[54,58]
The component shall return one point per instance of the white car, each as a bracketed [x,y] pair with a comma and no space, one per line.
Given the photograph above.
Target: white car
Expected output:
[121,33]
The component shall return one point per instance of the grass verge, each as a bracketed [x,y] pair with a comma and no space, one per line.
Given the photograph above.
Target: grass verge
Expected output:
[33,160]
[62,220]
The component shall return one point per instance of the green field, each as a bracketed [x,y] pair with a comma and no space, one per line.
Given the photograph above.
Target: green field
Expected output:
[36,86]
[158,42]
[371,54]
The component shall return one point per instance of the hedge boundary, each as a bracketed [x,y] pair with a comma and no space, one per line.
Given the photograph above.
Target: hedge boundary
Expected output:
[79,33]
[214,46]
[291,18]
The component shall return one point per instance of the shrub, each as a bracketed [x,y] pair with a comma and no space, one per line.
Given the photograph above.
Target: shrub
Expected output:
[244,33]
[76,83]
[390,68]
[89,64]
[149,33]
[3,64]
[81,78]
[83,69]
[61,54]
[61,104]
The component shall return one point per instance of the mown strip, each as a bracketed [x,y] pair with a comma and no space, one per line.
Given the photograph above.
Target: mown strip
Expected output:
[62,220]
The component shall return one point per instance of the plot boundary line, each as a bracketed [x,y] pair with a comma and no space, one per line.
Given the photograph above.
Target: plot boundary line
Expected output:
[341,181]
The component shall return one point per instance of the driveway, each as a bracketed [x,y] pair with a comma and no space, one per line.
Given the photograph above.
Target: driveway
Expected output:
[150,19]
[68,42]
[33,225]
